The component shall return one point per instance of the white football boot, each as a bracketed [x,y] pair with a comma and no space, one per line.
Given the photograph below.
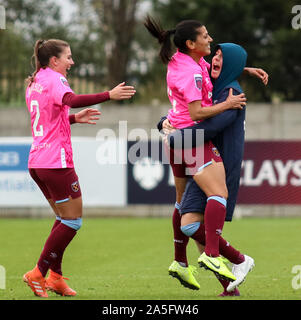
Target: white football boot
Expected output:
[240,271]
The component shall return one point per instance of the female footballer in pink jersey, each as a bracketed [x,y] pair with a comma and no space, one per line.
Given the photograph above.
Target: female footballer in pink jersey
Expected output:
[50,163]
[190,92]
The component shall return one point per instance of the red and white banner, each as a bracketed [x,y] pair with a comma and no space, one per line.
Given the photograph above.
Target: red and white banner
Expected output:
[271,173]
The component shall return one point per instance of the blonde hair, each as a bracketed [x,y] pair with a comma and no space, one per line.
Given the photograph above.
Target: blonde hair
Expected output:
[43,51]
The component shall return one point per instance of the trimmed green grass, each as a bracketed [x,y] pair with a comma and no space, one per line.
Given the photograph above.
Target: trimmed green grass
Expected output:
[128,258]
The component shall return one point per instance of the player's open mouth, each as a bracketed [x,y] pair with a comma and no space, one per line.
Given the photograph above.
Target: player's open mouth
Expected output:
[216,67]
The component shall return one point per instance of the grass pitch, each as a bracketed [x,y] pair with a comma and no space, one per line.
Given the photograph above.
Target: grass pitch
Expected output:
[128,258]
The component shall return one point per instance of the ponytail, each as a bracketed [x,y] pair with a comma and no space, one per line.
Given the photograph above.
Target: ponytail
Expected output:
[43,51]
[37,46]
[163,37]
[185,30]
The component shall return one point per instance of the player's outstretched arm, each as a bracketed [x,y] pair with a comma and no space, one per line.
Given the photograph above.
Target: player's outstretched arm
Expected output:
[258,73]
[122,92]
[88,115]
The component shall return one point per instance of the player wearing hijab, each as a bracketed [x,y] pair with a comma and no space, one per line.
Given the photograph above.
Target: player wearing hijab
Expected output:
[190,93]
[227,132]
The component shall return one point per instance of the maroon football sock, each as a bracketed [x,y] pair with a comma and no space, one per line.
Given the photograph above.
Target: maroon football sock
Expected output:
[55,246]
[56,223]
[229,252]
[224,283]
[225,248]
[214,219]
[199,235]
[180,239]
[57,265]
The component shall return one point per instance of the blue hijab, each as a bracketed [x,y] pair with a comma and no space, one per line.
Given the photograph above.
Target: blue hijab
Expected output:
[234,61]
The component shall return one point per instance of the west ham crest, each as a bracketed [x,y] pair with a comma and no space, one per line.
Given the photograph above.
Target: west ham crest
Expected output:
[75,186]
[215,151]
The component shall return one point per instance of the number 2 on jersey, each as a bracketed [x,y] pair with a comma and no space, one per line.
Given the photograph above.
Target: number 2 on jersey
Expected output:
[37,132]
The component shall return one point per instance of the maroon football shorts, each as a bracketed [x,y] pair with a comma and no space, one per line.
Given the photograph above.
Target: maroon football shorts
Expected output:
[57,184]
[188,162]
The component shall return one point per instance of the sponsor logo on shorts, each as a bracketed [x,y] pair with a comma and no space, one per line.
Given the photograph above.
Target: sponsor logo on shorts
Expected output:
[215,151]
[75,186]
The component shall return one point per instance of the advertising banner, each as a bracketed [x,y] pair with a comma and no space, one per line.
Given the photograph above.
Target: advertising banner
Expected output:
[271,174]
[150,178]
[116,172]
[102,176]
[17,189]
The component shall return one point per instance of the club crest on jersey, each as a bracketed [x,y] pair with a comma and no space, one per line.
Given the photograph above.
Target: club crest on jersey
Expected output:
[215,151]
[198,80]
[64,81]
[75,186]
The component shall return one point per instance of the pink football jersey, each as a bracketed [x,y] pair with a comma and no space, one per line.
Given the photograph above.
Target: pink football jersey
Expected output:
[187,81]
[51,147]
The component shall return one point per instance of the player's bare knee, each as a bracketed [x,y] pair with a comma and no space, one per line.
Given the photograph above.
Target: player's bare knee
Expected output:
[191,217]
[70,208]
[222,193]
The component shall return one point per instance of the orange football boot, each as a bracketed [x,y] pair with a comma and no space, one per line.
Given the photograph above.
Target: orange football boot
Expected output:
[55,282]
[36,282]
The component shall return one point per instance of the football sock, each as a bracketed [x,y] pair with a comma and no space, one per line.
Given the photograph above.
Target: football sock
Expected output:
[229,252]
[56,223]
[54,248]
[180,239]
[224,283]
[56,266]
[225,249]
[214,219]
